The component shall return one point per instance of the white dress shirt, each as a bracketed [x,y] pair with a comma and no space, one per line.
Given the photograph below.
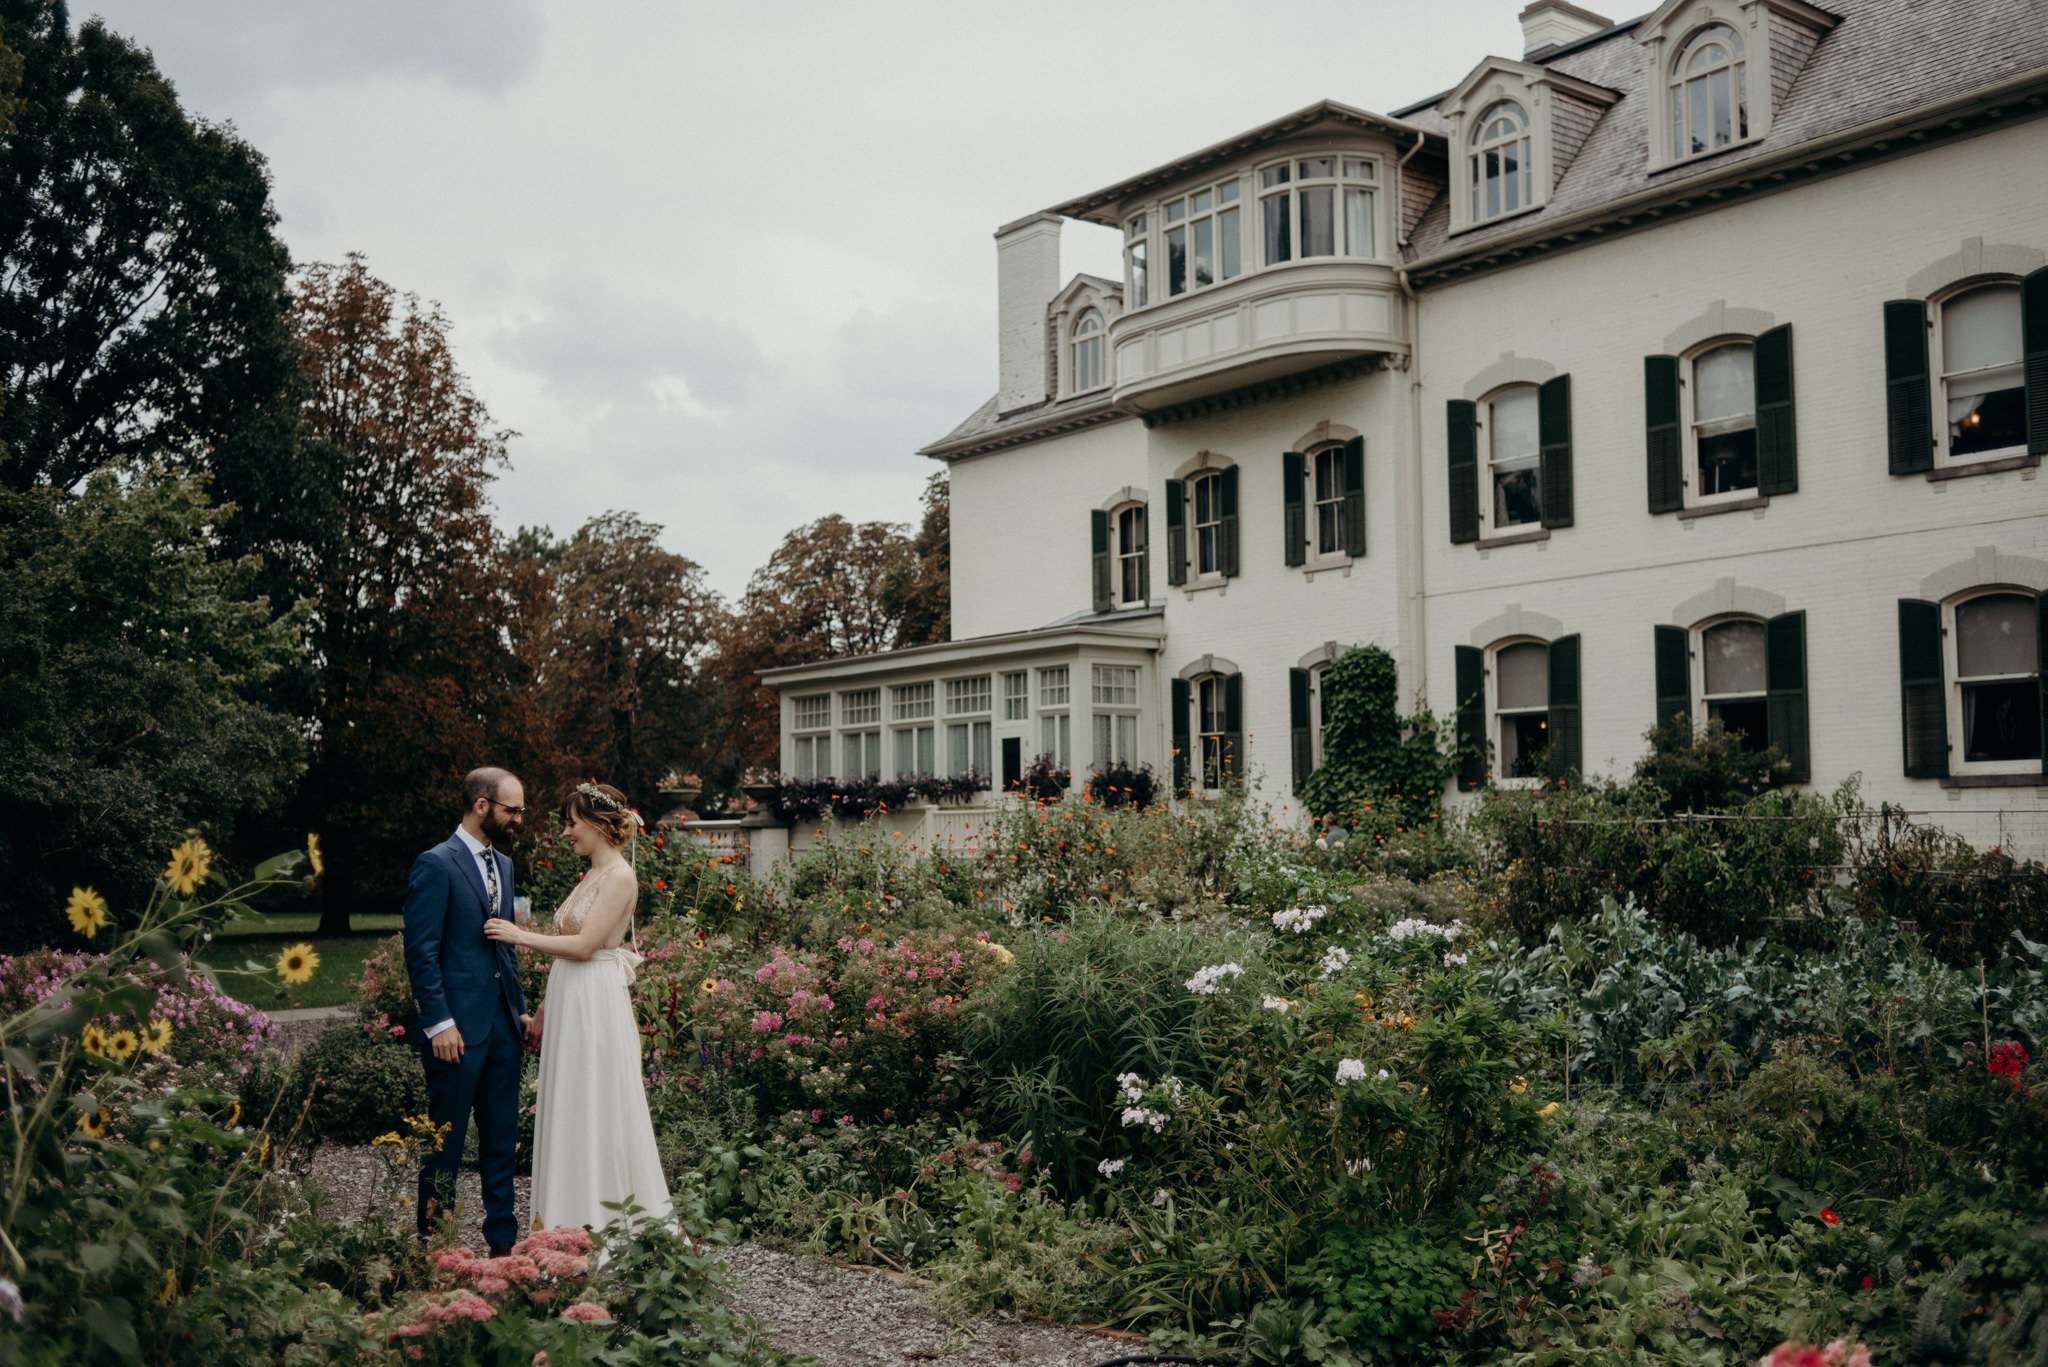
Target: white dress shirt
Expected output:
[481,853]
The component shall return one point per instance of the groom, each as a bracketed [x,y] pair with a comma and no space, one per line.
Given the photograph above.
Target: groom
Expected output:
[467,992]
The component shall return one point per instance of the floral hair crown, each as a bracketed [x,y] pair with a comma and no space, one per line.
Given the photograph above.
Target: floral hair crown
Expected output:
[600,797]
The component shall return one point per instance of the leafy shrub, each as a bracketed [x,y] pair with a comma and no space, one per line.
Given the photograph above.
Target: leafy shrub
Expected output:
[364,1086]
[1383,1286]
[1124,785]
[1709,769]
[1382,772]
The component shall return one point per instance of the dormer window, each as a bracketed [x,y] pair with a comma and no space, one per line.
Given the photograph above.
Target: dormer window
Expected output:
[1318,206]
[1503,173]
[1709,94]
[1087,351]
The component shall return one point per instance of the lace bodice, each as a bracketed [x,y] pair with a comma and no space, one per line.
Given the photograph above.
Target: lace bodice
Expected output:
[569,916]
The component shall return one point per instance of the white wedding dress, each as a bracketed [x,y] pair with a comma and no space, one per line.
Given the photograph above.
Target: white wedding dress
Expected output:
[592,1139]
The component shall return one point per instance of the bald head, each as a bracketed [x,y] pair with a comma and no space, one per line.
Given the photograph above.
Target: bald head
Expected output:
[483,785]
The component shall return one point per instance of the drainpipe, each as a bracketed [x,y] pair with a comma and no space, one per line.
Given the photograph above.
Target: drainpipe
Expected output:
[1408,473]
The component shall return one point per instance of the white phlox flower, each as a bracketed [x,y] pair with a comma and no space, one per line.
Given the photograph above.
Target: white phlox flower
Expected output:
[1382,1075]
[1272,1003]
[1159,1197]
[1415,928]
[1110,1167]
[1140,1115]
[1299,919]
[1350,1070]
[1131,1087]
[1456,960]
[1207,981]
[1335,960]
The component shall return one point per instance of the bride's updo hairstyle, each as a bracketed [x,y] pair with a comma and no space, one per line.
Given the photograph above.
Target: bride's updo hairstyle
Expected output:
[602,807]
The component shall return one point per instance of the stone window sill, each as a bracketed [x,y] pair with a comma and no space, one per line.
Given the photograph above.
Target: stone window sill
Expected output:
[1983,467]
[1739,505]
[1334,564]
[1489,543]
[1215,583]
[1995,781]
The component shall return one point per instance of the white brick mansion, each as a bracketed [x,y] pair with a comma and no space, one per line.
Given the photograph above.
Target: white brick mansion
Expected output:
[1696,363]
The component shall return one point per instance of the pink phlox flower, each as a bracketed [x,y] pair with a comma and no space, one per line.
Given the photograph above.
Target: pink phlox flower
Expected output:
[1793,1354]
[764,973]
[491,1286]
[764,1021]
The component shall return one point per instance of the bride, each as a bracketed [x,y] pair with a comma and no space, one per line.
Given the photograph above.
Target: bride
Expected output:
[593,1140]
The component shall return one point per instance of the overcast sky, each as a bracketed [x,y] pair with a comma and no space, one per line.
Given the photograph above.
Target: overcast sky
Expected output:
[729,265]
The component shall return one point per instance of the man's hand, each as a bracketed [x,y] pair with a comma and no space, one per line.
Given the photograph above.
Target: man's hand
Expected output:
[448,1045]
[532,1024]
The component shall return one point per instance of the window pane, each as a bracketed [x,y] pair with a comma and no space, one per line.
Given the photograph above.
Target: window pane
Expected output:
[983,762]
[1227,249]
[1271,176]
[1515,431]
[2002,721]
[1523,738]
[1100,756]
[1329,474]
[1512,158]
[1318,166]
[1523,677]
[927,751]
[1176,211]
[1733,656]
[1137,275]
[1177,261]
[1696,94]
[1980,329]
[1016,696]
[1319,222]
[906,756]
[1227,193]
[1493,173]
[1727,461]
[1127,740]
[1517,496]
[1052,687]
[1995,635]
[1358,170]
[1203,201]
[1724,123]
[1724,383]
[1205,252]
[802,758]
[1279,210]
[1209,706]
[1991,420]
[956,750]
[1748,719]
[1358,222]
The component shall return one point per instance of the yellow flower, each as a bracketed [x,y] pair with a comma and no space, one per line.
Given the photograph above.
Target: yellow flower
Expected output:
[234,1117]
[170,1291]
[1519,1085]
[708,985]
[156,1037]
[87,910]
[297,963]
[263,1149]
[95,1041]
[189,865]
[390,1138]
[95,1125]
[1551,1109]
[121,1045]
[313,855]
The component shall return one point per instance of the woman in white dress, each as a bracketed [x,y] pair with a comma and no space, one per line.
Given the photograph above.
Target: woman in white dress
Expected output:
[593,1140]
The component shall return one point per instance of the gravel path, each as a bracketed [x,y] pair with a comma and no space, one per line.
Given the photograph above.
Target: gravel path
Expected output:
[853,1317]
[843,1317]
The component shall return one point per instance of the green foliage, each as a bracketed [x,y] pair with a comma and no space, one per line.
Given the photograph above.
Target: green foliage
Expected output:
[1382,1286]
[1382,773]
[133,662]
[365,1085]
[1711,769]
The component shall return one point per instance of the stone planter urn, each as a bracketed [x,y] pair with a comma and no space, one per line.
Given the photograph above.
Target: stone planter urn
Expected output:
[676,805]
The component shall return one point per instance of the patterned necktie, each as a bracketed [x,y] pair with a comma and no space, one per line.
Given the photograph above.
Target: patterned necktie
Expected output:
[490,858]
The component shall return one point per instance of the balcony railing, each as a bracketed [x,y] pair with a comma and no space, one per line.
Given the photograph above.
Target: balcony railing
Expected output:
[1269,324]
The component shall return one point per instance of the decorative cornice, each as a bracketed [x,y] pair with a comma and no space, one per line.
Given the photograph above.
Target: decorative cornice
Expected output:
[1348,369]
[1053,425]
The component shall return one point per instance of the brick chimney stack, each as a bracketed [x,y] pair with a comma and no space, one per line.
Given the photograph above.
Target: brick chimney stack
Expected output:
[1027,277]
[1553,23]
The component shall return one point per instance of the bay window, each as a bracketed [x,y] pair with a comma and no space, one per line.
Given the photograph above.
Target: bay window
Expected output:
[1318,206]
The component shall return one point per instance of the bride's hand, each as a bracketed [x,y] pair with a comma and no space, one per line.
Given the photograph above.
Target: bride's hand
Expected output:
[499,929]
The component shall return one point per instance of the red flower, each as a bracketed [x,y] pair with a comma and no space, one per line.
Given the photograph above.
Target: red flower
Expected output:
[1828,1217]
[1866,1282]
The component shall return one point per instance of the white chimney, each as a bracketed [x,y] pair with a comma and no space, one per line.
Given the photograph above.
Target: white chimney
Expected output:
[1027,277]
[1553,23]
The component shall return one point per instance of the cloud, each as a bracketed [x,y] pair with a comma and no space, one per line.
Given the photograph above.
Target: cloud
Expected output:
[225,53]
[595,345]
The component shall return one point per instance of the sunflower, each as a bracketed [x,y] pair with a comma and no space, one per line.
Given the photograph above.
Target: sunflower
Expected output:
[95,1125]
[156,1036]
[189,865]
[87,910]
[708,985]
[121,1045]
[297,963]
[95,1041]
[313,855]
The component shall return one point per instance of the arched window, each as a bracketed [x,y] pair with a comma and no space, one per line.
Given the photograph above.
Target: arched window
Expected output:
[1732,679]
[1982,378]
[1724,420]
[1087,351]
[1521,708]
[1996,663]
[1132,579]
[1503,175]
[1709,93]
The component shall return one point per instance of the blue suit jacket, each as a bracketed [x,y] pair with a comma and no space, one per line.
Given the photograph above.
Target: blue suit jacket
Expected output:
[456,971]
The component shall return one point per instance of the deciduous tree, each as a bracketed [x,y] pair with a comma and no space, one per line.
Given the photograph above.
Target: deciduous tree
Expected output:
[918,589]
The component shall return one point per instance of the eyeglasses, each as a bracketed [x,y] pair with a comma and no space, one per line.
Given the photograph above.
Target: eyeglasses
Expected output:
[516,811]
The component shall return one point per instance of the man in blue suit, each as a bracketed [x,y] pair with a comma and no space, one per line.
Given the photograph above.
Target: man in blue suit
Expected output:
[471,1011]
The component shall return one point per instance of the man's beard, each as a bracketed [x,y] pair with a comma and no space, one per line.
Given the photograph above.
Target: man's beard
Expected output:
[498,831]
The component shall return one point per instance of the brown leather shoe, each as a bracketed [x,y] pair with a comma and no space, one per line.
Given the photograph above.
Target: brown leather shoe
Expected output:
[501,1250]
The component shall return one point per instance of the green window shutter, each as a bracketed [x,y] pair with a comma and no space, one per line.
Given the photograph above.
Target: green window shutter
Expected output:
[1354,497]
[1471,676]
[1785,692]
[2041,668]
[1298,718]
[1294,498]
[1461,418]
[1923,697]
[1674,674]
[1176,533]
[1554,432]
[2034,344]
[1233,727]
[1145,560]
[1183,704]
[1777,437]
[1226,530]
[1567,726]
[1664,445]
[1908,390]
[1098,537]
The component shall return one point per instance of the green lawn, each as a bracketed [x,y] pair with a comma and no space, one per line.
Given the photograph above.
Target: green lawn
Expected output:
[262,937]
